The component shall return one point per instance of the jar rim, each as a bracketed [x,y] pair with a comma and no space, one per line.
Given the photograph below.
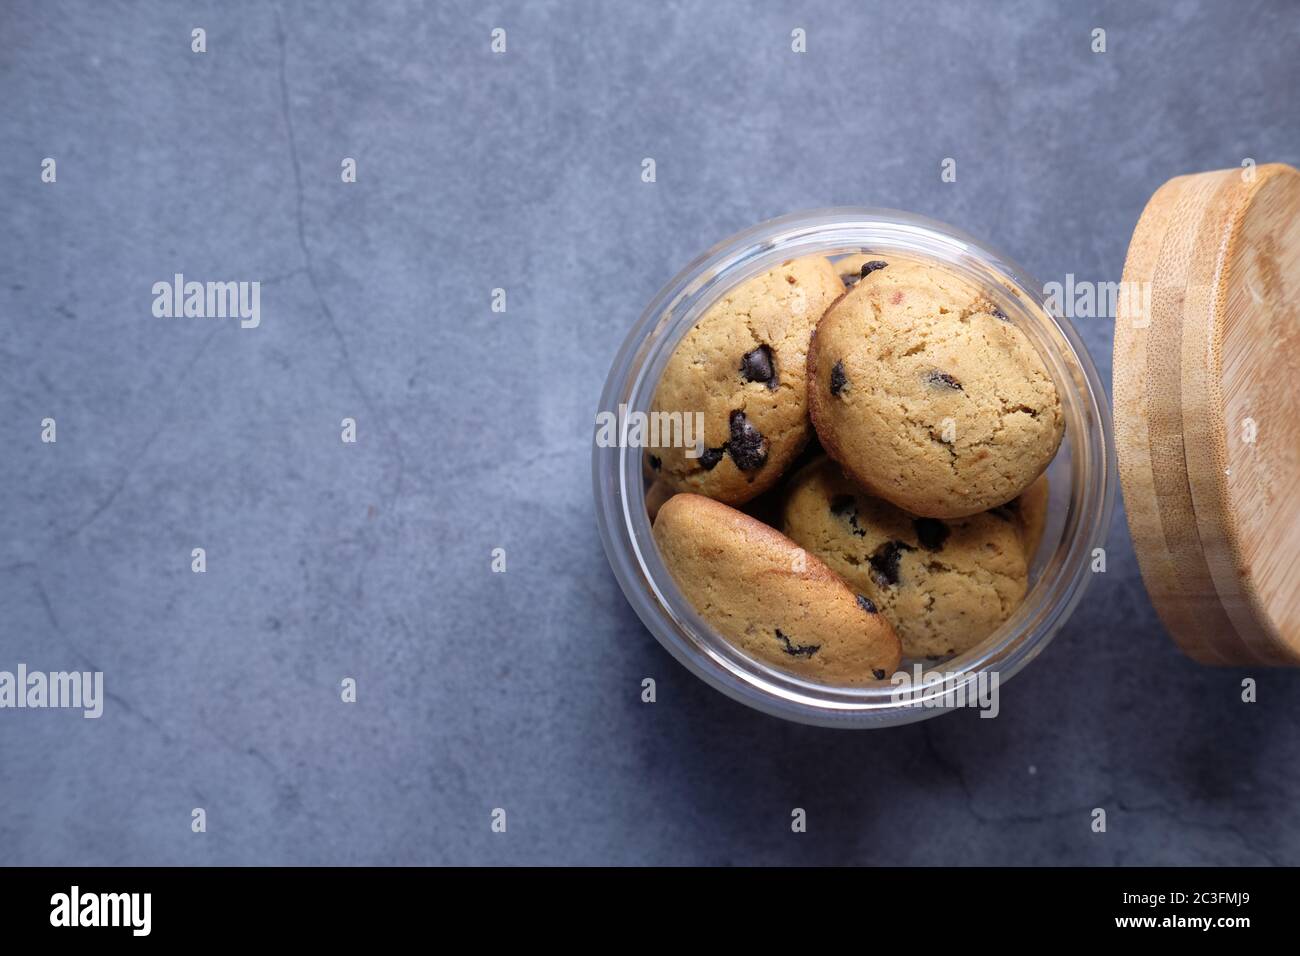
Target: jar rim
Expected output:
[618,484]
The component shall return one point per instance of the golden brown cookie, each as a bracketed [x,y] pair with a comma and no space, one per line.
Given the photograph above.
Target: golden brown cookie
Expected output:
[742,366]
[769,597]
[945,585]
[926,397]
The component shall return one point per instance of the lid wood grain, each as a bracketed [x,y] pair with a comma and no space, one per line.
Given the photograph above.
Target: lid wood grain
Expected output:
[1207,411]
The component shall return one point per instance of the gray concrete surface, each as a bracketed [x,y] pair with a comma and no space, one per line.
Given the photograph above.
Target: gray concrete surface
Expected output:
[325,560]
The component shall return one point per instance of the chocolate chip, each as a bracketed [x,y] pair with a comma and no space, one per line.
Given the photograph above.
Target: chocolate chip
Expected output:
[867,604]
[931,532]
[844,506]
[870,267]
[877,673]
[797,650]
[838,381]
[711,457]
[655,463]
[756,366]
[937,377]
[998,313]
[884,562]
[747,447]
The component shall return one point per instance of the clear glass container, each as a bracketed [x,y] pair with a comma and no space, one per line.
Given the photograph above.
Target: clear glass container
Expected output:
[1081,478]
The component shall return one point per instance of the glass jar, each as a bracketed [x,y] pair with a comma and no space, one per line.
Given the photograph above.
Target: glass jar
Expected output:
[1081,477]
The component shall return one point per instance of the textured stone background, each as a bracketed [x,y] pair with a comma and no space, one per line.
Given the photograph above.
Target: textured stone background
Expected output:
[520,690]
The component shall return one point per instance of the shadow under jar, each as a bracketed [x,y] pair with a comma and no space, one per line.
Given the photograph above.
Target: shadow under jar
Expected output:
[1081,477]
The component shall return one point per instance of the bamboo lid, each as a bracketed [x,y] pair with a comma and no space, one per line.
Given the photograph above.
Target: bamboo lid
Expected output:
[1207,411]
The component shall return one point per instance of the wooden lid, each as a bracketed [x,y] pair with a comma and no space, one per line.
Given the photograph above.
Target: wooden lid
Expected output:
[1207,411]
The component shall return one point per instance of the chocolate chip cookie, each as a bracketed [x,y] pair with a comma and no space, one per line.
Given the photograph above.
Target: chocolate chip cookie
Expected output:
[769,597]
[945,585]
[927,396]
[743,367]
